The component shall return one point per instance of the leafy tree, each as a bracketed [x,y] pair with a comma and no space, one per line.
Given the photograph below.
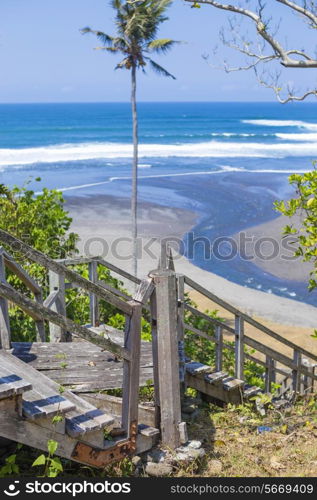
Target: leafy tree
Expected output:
[42,222]
[305,205]
[137,24]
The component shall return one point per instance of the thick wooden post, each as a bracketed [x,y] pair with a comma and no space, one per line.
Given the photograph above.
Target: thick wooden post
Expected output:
[219,347]
[131,368]
[57,282]
[156,379]
[168,360]
[5,333]
[239,347]
[93,299]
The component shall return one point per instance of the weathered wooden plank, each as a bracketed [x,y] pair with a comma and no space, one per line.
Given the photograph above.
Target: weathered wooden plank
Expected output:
[144,291]
[57,284]
[131,368]
[219,348]
[113,405]
[215,377]
[39,324]
[239,347]
[5,332]
[11,384]
[93,299]
[118,270]
[270,377]
[195,368]
[44,313]
[170,401]
[181,332]
[156,379]
[29,282]
[215,391]
[231,383]
[58,268]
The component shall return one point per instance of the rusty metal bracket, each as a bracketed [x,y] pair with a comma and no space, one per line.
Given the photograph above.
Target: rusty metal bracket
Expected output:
[100,458]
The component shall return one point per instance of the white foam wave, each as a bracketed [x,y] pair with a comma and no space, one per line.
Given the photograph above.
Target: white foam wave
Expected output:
[90,151]
[298,137]
[282,123]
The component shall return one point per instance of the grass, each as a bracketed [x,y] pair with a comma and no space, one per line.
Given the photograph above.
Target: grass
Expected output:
[234,447]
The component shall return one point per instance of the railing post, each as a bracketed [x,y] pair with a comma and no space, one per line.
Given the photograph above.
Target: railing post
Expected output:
[270,374]
[57,282]
[239,347]
[93,299]
[181,333]
[5,332]
[219,347]
[168,360]
[131,369]
[156,380]
[297,359]
[40,325]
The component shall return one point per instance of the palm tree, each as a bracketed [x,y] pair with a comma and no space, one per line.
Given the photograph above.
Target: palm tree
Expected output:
[137,24]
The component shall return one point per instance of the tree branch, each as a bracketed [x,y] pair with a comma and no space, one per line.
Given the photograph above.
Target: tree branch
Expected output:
[280,53]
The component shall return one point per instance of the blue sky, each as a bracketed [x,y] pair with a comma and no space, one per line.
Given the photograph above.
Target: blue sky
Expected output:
[44,58]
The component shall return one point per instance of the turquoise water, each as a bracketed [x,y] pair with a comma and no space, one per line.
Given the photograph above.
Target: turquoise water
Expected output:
[226,161]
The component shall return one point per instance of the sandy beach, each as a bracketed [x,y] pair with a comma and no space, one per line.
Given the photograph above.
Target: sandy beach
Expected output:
[103,223]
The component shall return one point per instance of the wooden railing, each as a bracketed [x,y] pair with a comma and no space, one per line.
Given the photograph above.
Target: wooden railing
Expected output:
[53,311]
[300,367]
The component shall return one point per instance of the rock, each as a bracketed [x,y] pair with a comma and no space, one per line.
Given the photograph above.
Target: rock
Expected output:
[214,466]
[196,453]
[194,444]
[137,461]
[182,457]
[158,470]
[156,456]
[188,409]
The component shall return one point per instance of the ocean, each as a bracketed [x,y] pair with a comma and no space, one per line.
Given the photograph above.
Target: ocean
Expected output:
[185,150]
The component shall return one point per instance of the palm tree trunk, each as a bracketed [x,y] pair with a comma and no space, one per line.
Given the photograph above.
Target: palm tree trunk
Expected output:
[134,194]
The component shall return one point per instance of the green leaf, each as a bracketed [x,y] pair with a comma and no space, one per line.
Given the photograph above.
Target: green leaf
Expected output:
[56,464]
[52,446]
[41,460]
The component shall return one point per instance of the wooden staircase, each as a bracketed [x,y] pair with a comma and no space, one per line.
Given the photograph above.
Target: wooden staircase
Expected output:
[41,400]
[38,409]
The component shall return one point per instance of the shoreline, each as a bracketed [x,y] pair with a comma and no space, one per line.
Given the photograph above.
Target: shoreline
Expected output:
[106,218]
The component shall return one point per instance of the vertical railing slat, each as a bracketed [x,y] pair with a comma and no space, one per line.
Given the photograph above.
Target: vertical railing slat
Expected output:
[239,347]
[93,299]
[219,348]
[131,369]
[57,282]
[5,332]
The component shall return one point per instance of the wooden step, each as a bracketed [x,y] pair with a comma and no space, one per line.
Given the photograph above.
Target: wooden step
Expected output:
[86,418]
[231,383]
[36,405]
[251,390]
[195,368]
[11,384]
[215,377]
[45,399]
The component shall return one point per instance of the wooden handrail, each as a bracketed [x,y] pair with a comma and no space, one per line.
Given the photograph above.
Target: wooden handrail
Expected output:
[42,259]
[37,310]
[247,318]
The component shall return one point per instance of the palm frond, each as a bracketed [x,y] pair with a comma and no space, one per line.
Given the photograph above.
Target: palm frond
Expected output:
[159,69]
[161,45]
[103,37]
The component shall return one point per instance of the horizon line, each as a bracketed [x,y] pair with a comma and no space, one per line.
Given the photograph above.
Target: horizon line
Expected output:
[148,102]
